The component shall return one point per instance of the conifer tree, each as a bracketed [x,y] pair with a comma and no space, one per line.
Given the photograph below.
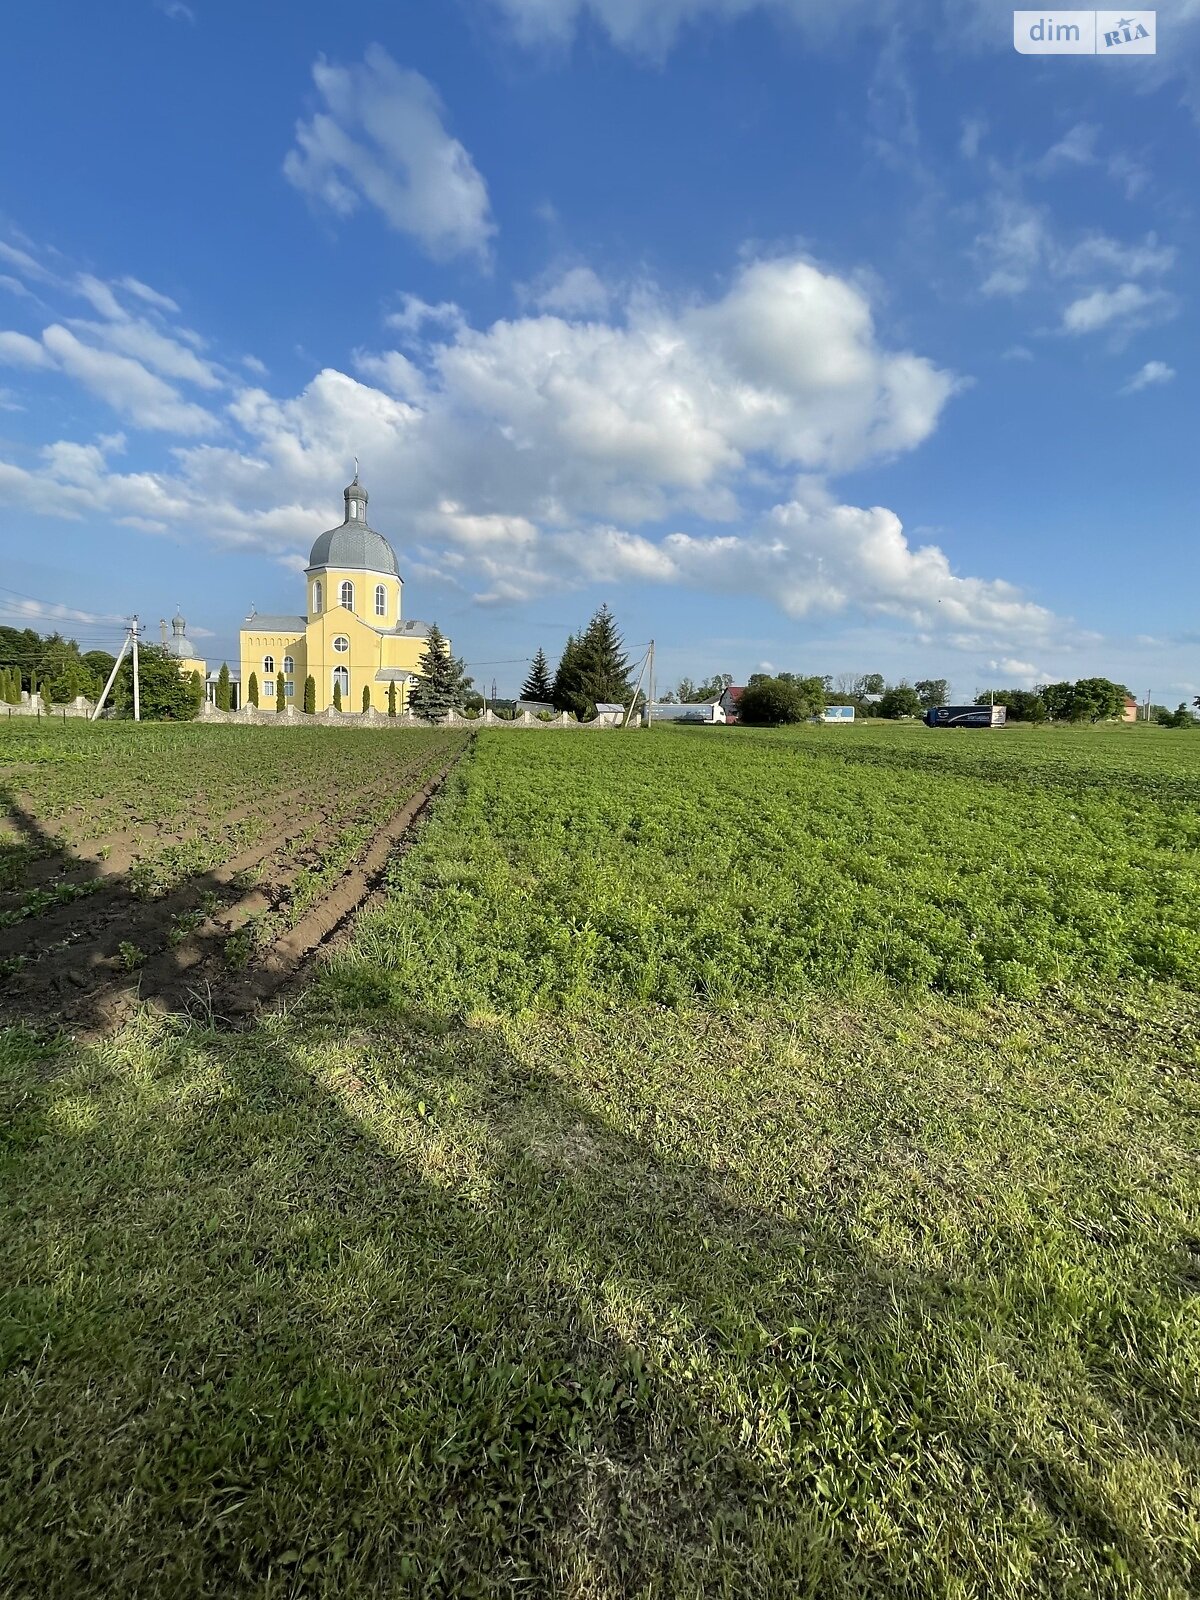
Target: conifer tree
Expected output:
[392,698]
[593,667]
[441,681]
[366,701]
[252,689]
[280,692]
[337,694]
[310,695]
[567,690]
[224,696]
[537,684]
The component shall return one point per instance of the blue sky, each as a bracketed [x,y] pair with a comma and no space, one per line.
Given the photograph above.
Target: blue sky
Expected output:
[835,338]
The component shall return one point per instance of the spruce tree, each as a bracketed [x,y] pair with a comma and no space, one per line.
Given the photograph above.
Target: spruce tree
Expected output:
[252,689]
[310,695]
[366,701]
[441,681]
[392,698]
[566,692]
[337,694]
[224,696]
[537,684]
[280,693]
[605,666]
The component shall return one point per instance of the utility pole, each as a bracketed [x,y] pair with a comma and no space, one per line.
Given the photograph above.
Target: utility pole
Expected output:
[137,686]
[650,692]
[638,687]
[112,677]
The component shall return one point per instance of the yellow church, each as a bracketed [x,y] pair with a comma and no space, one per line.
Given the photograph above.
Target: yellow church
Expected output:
[352,635]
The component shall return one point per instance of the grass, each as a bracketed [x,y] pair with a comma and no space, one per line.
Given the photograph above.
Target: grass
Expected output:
[825,1294]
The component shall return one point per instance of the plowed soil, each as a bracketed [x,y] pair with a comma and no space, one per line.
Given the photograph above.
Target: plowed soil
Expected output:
[218,943]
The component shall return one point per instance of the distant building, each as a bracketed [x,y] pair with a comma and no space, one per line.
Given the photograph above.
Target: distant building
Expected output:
[729,702]
[1129,712]
[703,711]
[352,635]
[180,646]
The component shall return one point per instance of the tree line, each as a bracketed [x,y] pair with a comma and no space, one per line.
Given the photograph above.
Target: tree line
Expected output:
[49,665]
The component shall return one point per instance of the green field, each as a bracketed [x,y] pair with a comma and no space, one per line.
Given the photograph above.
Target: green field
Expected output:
[718,1163]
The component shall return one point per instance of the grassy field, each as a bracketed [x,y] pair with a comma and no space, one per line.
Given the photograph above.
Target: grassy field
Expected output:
[626,1208]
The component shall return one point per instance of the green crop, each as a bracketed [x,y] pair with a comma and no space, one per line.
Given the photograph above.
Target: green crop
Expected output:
[724,866]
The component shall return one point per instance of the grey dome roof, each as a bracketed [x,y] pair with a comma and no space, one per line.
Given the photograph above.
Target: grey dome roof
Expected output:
[354,545]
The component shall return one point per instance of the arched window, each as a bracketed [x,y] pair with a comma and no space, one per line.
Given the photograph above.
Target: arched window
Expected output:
[348,595]
[341,644]
[289,666]
[268,664]
[317,598]
[341,675]
[380,600]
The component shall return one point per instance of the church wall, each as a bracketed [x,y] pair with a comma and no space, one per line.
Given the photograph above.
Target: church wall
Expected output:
[256,645]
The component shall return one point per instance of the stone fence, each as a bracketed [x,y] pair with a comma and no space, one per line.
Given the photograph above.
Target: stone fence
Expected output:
[291,718]
[35,706]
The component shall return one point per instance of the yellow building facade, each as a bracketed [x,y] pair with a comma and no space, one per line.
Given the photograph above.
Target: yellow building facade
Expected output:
[352,634]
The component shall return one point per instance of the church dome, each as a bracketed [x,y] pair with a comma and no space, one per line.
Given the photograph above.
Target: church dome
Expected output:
[354,543]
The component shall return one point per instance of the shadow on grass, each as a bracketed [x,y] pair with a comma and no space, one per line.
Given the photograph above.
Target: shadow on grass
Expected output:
[367,1305]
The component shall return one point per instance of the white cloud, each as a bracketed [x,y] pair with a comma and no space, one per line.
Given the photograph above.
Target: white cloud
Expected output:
[1153,373]
[1017,352]
[1018,674]
[126,385]
[414,313]
[651,26]
[1021,247]
[19,350]
[153,348]
[143,291]
[382,139]
[1128,306]
[541,454]
[973,130]
[254,365]
[1076,148]
[578,291]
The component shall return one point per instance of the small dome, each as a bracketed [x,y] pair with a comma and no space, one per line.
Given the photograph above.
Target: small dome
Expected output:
[179,623]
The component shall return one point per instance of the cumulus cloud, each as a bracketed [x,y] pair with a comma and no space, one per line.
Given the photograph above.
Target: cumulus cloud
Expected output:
[673,440]
[1129,306]
[1148,376]
[382,138]
[576,291]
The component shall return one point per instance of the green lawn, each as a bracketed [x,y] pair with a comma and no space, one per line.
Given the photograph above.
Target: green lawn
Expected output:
[446,1284]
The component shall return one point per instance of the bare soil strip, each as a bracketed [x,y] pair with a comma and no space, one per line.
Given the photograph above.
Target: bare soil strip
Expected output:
[83,978]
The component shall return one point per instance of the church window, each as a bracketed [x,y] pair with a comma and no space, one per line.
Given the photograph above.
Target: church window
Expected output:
[268,663]
[341,644]
[317,598]
[348,595]
[354,509]
[289,666]
[268,685]
[380,600]
[289,690]
[341,676]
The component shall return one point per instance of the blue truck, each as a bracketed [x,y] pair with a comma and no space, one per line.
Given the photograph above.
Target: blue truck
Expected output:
[966,716]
